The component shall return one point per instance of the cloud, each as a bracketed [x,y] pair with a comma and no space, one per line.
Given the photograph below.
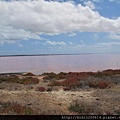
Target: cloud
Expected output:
[82,42]
[71,43]
[98,47]
[95,36]
[115,36]
[108,44]
[117,1]
[10,35]
[110,47]
[29,19]
[56,43]
[72,34]
[97,1]
[20,45]
[90,4]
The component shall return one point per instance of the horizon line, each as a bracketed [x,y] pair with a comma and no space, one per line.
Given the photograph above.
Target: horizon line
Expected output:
[51,54]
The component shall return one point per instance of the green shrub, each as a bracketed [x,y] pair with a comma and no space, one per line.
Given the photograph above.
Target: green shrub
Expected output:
[117,112]
[76,108]
[28,111]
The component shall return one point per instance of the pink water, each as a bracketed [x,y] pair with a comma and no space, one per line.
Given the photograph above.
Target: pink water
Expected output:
[59,63]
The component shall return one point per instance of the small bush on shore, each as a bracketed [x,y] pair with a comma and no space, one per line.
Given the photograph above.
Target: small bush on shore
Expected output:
[99,84]
[66,88]
[29,74]
[76,108]
[62,75]
[24,80]
[86,107]
[50,76]
[9,79]
[55,83]
[108,72]
[29,80]
[42,89]
[68,84]
[117,112]
[71,83]
[49,89]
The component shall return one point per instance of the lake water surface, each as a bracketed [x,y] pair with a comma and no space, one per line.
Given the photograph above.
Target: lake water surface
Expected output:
[59,63]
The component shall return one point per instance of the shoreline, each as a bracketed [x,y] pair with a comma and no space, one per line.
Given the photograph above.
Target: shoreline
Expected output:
[22,73]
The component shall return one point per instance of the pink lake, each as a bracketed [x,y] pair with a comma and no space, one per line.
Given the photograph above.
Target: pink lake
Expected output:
[59,63]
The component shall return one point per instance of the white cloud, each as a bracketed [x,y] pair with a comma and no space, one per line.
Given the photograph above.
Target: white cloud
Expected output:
[89,4]
[108,47]
[82,42]
[99,47]
[115,36]
[56,43]
[95,36]
[72,34]
[108,44]
[29,19]
[117,1]
[97,1]
[71,43]
[71,1]
[92,0]
[20,45]
[9,34]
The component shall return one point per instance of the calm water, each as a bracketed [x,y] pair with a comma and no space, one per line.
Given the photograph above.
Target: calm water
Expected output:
[60,63]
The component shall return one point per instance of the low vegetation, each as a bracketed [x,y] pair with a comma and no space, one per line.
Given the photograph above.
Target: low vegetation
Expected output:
[13,108]
[71,83]
[29,80]
[50,76]
[75,107]
[99,84]
[42,89]
[85,107]
[77,93]
[23,80]
[80,75]
[29,74]
[74,80]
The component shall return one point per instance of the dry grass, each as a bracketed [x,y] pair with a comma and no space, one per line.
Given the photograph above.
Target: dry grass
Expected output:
[97,107]
[8,108]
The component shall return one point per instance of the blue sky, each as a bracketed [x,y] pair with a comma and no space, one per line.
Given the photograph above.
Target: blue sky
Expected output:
[59,26]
